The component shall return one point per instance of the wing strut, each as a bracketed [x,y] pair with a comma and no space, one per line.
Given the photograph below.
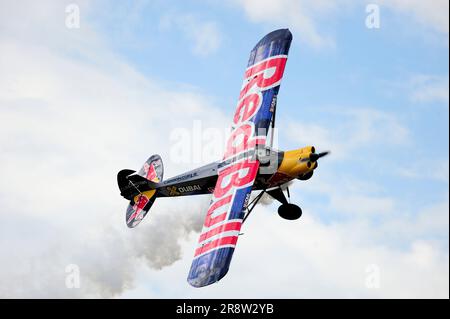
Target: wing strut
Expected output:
[252,205]
[273,126]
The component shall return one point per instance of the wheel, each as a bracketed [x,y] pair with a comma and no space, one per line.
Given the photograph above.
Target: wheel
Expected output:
[289,211]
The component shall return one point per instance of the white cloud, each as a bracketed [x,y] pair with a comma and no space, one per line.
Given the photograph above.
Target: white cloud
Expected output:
[348,196]
[72,115]
[205,36]
[362,204]
[306,16]
[301,16]
[431,222]
[431,169]
[308,259]
[432,14]
[420,89]
[356,129]
[427,88]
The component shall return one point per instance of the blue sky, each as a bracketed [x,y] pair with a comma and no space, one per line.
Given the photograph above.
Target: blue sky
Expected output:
[363,68]
[88,101]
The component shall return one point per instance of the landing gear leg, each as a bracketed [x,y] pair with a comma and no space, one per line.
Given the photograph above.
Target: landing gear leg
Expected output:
[289,211]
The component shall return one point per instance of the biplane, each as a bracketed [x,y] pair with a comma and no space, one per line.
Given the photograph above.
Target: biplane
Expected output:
[249,164]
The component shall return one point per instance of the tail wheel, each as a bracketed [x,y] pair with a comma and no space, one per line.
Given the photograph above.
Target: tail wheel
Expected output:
[289,211]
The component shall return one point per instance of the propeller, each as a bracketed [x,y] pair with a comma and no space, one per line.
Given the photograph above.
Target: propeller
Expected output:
[315,156]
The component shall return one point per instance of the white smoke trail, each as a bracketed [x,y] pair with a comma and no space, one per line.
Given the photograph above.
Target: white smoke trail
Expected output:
[156,242]
[107,255]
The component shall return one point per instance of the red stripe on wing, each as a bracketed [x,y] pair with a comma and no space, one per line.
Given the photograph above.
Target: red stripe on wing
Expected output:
[220,229]
[231,240]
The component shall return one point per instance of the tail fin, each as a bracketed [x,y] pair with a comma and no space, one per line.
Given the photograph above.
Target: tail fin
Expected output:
[153,169]
[140,188]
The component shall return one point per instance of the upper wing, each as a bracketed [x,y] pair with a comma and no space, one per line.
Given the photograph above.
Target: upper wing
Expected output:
[237,172]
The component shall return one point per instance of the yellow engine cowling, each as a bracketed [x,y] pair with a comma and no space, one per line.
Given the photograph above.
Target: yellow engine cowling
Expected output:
[296,162]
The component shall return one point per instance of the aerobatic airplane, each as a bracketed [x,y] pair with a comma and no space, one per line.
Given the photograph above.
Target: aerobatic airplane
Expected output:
[249,164]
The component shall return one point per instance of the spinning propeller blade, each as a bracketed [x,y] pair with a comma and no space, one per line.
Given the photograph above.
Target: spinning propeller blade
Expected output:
[315,156]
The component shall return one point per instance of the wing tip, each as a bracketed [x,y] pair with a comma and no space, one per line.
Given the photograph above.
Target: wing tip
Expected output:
[206,281]
[276,35]
[201,276]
